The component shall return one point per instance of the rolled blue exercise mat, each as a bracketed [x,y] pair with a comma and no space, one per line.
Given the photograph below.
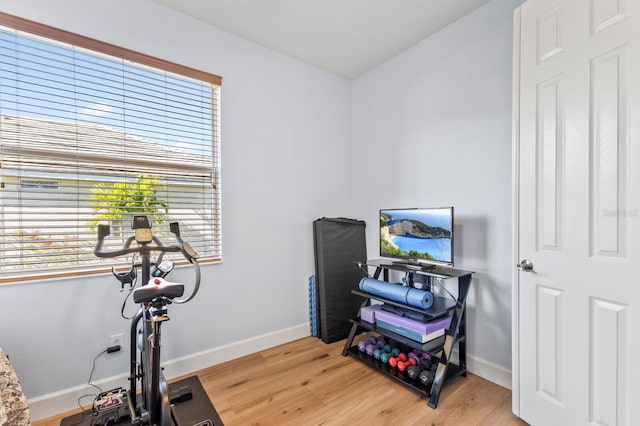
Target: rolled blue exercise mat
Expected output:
[397,293]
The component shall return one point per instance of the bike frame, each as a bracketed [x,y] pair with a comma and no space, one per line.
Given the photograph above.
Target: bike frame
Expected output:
[155,396]
[146,325]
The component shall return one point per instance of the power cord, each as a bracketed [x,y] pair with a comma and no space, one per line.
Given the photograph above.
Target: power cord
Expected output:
[366,271]
[94,395]
[442,286]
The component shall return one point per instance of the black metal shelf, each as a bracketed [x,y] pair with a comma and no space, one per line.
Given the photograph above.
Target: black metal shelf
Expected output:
[444,272]
[439,348]
[394,373]
[391,372]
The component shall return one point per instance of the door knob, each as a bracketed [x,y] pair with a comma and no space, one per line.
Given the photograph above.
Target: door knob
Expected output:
[525,266]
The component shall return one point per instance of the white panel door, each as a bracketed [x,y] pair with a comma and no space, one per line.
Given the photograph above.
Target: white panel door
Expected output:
[578,315]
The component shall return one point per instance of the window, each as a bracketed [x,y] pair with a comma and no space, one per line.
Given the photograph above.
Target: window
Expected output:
[91,133]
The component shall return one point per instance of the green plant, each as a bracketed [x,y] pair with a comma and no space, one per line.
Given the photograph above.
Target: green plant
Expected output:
[118,202]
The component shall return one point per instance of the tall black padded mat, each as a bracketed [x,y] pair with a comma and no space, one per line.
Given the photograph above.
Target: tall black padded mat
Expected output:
[338,243]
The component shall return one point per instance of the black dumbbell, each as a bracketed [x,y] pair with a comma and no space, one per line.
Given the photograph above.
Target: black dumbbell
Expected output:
[426,378]
[414,371]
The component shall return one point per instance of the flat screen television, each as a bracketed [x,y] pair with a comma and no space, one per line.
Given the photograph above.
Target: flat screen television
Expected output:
[417,235]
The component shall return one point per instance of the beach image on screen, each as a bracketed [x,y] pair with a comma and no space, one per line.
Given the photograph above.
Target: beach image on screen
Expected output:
[416,234]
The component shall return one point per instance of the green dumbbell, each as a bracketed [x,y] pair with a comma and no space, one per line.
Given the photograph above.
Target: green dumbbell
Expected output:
[377,353]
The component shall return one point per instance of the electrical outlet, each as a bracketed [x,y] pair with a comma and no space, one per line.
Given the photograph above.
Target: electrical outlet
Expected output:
[116,339]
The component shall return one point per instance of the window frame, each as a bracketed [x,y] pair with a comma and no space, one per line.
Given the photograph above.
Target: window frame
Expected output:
[43,30]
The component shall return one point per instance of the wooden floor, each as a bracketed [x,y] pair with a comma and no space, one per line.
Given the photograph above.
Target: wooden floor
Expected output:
[307,382]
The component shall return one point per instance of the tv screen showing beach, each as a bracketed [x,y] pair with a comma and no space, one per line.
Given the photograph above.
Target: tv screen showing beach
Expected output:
[420,234]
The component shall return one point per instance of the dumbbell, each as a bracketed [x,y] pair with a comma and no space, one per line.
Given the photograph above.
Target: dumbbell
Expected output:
[371,347]
[415,356]
[412,359]
[393,361]
[414,371]
[426,378]
[377,353]
[402,365]
[362,344]
[370,344]
[386,356]
[374,340]
[378,342]
[420,355]
[387,352]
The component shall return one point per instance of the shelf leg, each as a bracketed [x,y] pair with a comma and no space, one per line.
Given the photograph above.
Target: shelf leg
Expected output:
[352,335]
[354,330]
[438,381]
[456,329]
[462,347]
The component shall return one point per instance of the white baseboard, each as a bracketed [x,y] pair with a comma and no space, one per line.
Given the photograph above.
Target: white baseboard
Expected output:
[67,399]
[486,369]
[489,371]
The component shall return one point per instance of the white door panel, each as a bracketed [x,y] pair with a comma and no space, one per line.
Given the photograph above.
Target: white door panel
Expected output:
[578,212]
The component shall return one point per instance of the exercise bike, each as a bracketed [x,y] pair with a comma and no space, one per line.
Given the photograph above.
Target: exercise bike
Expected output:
[155,406]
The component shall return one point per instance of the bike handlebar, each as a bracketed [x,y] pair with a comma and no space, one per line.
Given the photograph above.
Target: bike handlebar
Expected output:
[104,231]
[183,247]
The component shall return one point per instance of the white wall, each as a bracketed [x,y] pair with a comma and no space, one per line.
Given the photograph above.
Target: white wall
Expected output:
[432,127]
[285,152]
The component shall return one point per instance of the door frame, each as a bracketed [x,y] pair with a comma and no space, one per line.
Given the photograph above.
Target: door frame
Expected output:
[515,219]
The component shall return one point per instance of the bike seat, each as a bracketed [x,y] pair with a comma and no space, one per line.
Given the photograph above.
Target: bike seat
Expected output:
[157,287]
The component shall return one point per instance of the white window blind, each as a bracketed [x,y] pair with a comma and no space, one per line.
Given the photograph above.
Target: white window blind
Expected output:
[88,138]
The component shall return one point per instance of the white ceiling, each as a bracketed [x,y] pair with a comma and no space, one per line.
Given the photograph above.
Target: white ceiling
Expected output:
[345,37]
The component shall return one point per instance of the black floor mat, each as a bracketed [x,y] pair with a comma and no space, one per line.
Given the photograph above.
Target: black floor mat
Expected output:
[196,411]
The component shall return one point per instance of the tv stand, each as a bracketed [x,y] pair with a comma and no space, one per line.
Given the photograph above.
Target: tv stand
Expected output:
[414,265]
[440,348]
